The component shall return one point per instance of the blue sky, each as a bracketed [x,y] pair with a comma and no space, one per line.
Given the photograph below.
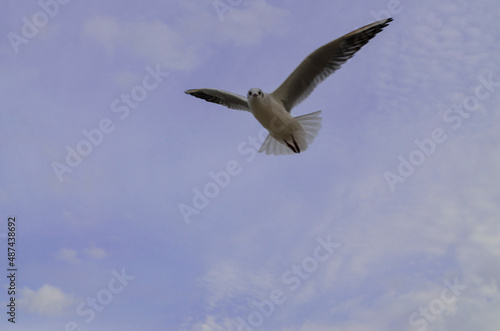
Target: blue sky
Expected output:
[389,221]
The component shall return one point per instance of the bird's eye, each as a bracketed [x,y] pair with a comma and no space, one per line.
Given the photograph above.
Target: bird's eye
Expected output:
[260,92]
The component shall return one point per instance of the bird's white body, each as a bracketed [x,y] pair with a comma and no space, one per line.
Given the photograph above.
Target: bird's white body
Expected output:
[288,134]
[280,124]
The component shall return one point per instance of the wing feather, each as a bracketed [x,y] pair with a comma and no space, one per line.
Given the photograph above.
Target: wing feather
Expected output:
[227,99]
[323,62]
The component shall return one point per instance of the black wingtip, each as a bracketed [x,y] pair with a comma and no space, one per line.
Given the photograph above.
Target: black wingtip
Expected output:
[387,21]
[383,24]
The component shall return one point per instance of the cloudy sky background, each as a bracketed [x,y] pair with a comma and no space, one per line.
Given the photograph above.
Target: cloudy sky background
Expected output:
[117,212]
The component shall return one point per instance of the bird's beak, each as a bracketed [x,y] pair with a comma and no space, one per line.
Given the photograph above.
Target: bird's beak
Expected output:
[254,95]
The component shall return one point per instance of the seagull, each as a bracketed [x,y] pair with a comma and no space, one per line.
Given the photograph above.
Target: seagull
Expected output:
[288,134]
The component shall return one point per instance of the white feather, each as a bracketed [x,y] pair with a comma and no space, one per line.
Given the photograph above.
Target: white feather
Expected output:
[310,126]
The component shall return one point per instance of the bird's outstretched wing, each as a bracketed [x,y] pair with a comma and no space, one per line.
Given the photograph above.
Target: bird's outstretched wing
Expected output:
[228,99]
[323,62]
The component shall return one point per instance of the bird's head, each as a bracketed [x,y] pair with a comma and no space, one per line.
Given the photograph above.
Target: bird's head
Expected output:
[255,93]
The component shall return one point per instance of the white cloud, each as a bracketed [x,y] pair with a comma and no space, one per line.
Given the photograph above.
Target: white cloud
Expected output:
[68,255]
[46,301]
[440,50]
[154,41]
[211,323]
[249,23]
[157,42]
[71,255]
[227,280]
[96,253]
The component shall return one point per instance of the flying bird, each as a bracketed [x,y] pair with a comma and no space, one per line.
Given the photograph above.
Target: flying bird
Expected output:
[288,134]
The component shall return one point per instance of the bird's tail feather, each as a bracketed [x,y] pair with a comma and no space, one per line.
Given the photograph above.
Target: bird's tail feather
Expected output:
[272,146]
[311,123]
